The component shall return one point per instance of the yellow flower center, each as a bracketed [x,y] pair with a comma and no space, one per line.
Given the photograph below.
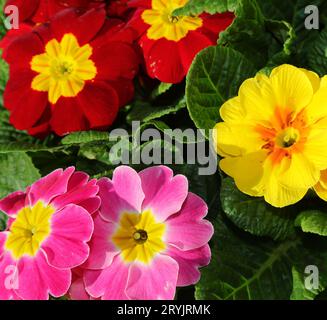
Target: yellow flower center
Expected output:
[139,237]
[29,230]
[63,68]
[165,25]
[288,137]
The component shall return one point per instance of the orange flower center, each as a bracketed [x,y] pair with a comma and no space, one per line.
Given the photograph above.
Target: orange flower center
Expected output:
[285,135]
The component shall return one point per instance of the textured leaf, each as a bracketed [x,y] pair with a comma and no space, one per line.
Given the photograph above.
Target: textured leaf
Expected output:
[313,222]
[17,172]
[300,292]
[255,215]
[85,137]
[145,111]
[317,54]
[214,77]
[250,268]
[210,6]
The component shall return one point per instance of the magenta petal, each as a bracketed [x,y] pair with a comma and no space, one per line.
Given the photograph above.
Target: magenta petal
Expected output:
[109,283]
[187,230]
[13,203]
[50,186]
[156,281]
[76,194]
[164,194]
[37,279]
[189,263]
[91,205]
[8,278]
[102,250]
[122,194]
[71,228]
[77,290]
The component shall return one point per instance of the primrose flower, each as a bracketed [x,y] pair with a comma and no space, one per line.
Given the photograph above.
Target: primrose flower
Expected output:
[149,236]
[170,43]
[273,139]
[48,229]
[72,74]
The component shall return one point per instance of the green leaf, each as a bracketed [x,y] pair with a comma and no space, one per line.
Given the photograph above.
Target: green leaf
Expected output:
[3,221]
[317,54]
[17,172]
[313,221]
[254,215]
[249,268]
[85,137]
[145,111]
[300,292]
[214,77]
[194,7]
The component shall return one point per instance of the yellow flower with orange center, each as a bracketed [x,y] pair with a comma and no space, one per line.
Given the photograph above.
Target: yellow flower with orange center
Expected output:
[274,136]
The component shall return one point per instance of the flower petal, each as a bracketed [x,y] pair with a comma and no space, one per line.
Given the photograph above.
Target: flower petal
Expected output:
[66,246]
[164,194]
[187,230]
[189,263]
[156,281]
[109,283]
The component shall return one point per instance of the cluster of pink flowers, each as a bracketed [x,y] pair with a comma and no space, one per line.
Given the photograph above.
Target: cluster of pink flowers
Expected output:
[135,236]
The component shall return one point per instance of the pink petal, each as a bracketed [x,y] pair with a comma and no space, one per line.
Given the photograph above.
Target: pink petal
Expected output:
[91,205]
[37,279]
[156,281]
[109,283]
[13,203]
[66,246]
[102,250]
[77,193]
[77,290]
[187,230]
[189,263]
[164,194]
[50,186]
[8,279]
[123,193]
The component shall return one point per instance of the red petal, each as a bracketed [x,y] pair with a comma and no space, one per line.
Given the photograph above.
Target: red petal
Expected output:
[21,50]
[99,102]
[68,117]
[125,91]
[190,46]
[26,105]
[214,24]
[26,8]
[83,26]
[12,34]
[116,60]
[163,60]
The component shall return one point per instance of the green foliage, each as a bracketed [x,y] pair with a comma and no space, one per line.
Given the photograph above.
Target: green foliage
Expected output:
[209,6]
[214,77]
[249,268]
[255,215]
[313,222]
[18,171]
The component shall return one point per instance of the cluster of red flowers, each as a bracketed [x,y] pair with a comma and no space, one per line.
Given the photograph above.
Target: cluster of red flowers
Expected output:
[73,62]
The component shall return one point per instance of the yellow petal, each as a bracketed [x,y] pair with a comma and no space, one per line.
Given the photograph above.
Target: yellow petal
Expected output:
[247,171]
[317,109]
[301,173]
[292,88]
[232,111]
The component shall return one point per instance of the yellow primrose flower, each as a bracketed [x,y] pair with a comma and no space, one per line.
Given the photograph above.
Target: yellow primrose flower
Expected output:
[274,136]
